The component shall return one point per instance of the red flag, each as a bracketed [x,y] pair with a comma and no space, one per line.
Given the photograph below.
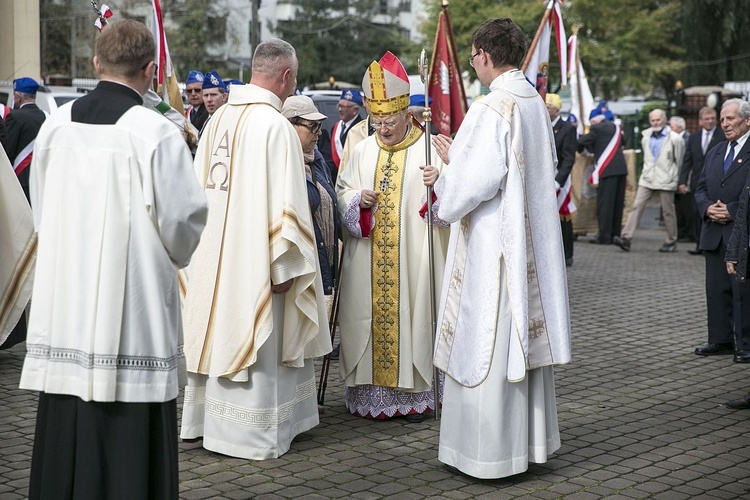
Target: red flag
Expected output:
[446,87]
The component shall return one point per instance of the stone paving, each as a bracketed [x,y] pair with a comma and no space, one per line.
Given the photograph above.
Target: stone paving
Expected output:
[640,414]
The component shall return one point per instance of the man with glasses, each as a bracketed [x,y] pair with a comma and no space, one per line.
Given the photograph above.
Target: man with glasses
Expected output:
[255,312]
[196,112]
[386,331]
[504,317]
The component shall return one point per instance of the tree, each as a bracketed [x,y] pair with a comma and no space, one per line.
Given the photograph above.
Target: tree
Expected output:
[626,46]
[336,38]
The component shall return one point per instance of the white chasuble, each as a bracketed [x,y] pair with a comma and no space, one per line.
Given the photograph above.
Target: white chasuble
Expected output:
[259,233]
[17,249]
[386,330]
[251,383]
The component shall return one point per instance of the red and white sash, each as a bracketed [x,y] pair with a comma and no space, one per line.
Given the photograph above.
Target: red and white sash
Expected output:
[23,160]
[337,149]
[4,112]
[606,156]
[565,205]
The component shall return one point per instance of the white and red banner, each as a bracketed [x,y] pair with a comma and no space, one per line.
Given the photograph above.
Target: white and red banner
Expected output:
[537,67]
[565,204]
[165,76]
[581,99]
[445,86]
[104,13]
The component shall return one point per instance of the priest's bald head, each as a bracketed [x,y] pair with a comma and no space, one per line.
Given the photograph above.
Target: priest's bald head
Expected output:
[275,67]
[125,53]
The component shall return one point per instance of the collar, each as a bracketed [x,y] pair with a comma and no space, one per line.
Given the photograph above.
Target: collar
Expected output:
[412,136]
[740,143]
[120,88]
[554,122]
[253,94]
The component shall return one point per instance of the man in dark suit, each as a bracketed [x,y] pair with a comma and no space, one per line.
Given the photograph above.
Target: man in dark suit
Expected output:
[717,198]
[21,128]
[699,143]
[605,136]
[348,108]
[566,144]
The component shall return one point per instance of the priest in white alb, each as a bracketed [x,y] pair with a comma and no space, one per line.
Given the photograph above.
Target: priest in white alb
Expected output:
[386,330]
[504,318]
[254,309]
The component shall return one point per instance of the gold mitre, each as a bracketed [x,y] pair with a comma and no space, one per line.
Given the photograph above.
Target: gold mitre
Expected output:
[386,86]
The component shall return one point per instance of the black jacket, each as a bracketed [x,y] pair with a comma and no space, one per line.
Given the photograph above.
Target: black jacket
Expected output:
[566,144]
[596,142]
[737,247]
[694,159]
[21,127]
[328,267]
[714,184]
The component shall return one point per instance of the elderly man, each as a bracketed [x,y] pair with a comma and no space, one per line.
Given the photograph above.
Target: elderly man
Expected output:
[214,95]
[117,209]
[698,144]
[386,333]
[504,317]
[196,112]
[255,309]
[717,197]
[566,144]
[21,128]
[663,150]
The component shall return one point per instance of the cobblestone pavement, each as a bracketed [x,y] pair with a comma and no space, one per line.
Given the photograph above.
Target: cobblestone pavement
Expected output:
[640,414]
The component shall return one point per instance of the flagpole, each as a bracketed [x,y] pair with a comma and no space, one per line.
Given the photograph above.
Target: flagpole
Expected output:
[535,41]
[577,62]
[424,73]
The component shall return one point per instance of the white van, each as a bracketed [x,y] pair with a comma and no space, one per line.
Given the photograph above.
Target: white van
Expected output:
[48,98]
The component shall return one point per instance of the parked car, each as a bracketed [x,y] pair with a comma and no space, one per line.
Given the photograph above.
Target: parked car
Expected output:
[48,98]
[327,101]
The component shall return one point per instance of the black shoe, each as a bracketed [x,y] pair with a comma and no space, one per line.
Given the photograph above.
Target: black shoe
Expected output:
[713,349]
[695,251]
[599,242]
[739,404]
[668,248]
[335,353]
[742,356]
[622,242]
[415,418]
[569,262]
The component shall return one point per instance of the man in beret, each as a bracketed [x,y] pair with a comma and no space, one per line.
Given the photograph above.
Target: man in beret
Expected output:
[348,107]
[22,126]
[214,94]
[196,111]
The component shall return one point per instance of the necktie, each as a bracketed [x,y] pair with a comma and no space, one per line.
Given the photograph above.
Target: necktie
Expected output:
[730,157]
[343,129]
[706,140]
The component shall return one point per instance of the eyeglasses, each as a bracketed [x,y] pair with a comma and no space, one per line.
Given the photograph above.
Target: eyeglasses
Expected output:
[346,106]
[389,124]
[193,91]
[312,127]
[471,59]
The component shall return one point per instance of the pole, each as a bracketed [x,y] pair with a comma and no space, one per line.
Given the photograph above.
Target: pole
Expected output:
[577,62]
[332,322]
[535,41]
[424,72]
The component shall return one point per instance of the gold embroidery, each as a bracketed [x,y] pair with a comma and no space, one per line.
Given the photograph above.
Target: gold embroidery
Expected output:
[447,331]
[530,272]
[386,263]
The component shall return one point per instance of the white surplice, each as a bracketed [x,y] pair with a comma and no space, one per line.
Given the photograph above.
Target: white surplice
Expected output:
[251,385]
[504,317]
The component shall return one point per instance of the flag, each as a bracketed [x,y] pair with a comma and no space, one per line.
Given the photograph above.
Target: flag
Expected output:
[581,99]
[165,75]
[445,85]
[103,14]
[537,68]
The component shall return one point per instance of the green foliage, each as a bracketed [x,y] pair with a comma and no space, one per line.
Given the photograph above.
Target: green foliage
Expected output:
[55,32]
[336,38]
[187,43]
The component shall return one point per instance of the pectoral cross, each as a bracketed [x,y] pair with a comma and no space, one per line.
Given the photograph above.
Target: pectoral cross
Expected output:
[384,183]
